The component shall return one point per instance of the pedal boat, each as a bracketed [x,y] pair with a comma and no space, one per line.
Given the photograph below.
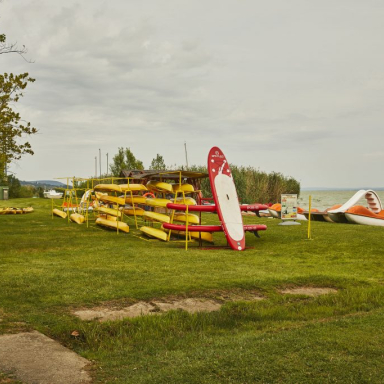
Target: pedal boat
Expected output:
[373,201]
[361,215]
[317,215]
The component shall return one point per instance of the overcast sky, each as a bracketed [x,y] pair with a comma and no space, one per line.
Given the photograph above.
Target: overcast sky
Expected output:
[294,86]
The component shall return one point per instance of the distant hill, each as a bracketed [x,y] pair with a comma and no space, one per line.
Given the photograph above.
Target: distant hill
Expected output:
[44,183]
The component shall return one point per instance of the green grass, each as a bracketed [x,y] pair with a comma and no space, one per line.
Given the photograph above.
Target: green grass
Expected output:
[49,267]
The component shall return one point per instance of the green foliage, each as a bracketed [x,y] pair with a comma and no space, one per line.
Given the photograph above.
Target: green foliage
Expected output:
[124,159]
[11,127]
[158,163]
[14,187]
[16,190]
[254,185]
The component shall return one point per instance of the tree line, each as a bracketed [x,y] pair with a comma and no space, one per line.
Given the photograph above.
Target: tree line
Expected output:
[252,184]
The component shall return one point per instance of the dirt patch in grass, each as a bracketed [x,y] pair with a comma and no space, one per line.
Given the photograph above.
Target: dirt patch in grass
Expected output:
[209,303]
[309,291]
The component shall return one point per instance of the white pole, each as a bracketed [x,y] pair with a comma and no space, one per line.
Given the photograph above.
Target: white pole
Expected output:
[186,155]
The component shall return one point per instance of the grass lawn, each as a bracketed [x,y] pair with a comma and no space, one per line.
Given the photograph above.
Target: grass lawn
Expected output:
[48,268]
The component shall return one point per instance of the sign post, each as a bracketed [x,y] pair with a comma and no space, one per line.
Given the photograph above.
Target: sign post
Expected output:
[289,209]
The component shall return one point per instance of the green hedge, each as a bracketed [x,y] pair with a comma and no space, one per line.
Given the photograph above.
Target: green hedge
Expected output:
[254,185]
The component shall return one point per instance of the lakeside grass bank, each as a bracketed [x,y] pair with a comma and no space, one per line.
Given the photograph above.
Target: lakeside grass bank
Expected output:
[48,268]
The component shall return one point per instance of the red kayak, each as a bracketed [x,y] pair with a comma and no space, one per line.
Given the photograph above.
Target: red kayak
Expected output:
[211,228]
[212,208]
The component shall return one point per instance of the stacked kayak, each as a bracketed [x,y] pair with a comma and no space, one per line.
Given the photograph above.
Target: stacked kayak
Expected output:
[15,211]
[110,203]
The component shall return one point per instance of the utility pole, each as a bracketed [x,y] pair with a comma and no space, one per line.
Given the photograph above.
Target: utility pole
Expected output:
[100,163]
[107,165]
[186,155]
[95,166]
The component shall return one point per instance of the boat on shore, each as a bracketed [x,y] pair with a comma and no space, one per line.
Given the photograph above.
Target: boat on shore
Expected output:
[374,205]
[317,215]
[53,194]
[361,215]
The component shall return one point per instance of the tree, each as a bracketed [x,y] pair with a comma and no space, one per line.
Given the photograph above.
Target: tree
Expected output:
[10,48]
[158,163]
[124,159]
[11,127]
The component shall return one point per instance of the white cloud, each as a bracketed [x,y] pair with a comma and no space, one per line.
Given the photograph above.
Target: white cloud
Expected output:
[283,88]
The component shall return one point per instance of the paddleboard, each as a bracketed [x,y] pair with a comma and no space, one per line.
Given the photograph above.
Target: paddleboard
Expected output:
[226,199]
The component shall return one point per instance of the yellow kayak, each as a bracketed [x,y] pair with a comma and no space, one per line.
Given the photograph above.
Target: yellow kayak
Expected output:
[77,218]
[186,188]
[160,217]
[112,199]
[113,224]
[136,200]
[159,186]
[108,211]
[138,211]
[10,211]
[188,201]
[27,210]
[154,232]
[133,187]
[107,188]
[157,202]
[205,236]
[181,216]
[59,213]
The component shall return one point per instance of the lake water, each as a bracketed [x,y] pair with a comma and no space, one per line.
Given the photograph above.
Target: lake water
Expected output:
[326,199]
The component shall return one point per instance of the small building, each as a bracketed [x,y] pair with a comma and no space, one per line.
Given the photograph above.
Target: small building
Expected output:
[4,193]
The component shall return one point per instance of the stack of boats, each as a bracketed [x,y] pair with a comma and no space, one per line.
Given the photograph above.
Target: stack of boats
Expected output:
[15,211]
[149,202]
[152,206]
[349,212]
